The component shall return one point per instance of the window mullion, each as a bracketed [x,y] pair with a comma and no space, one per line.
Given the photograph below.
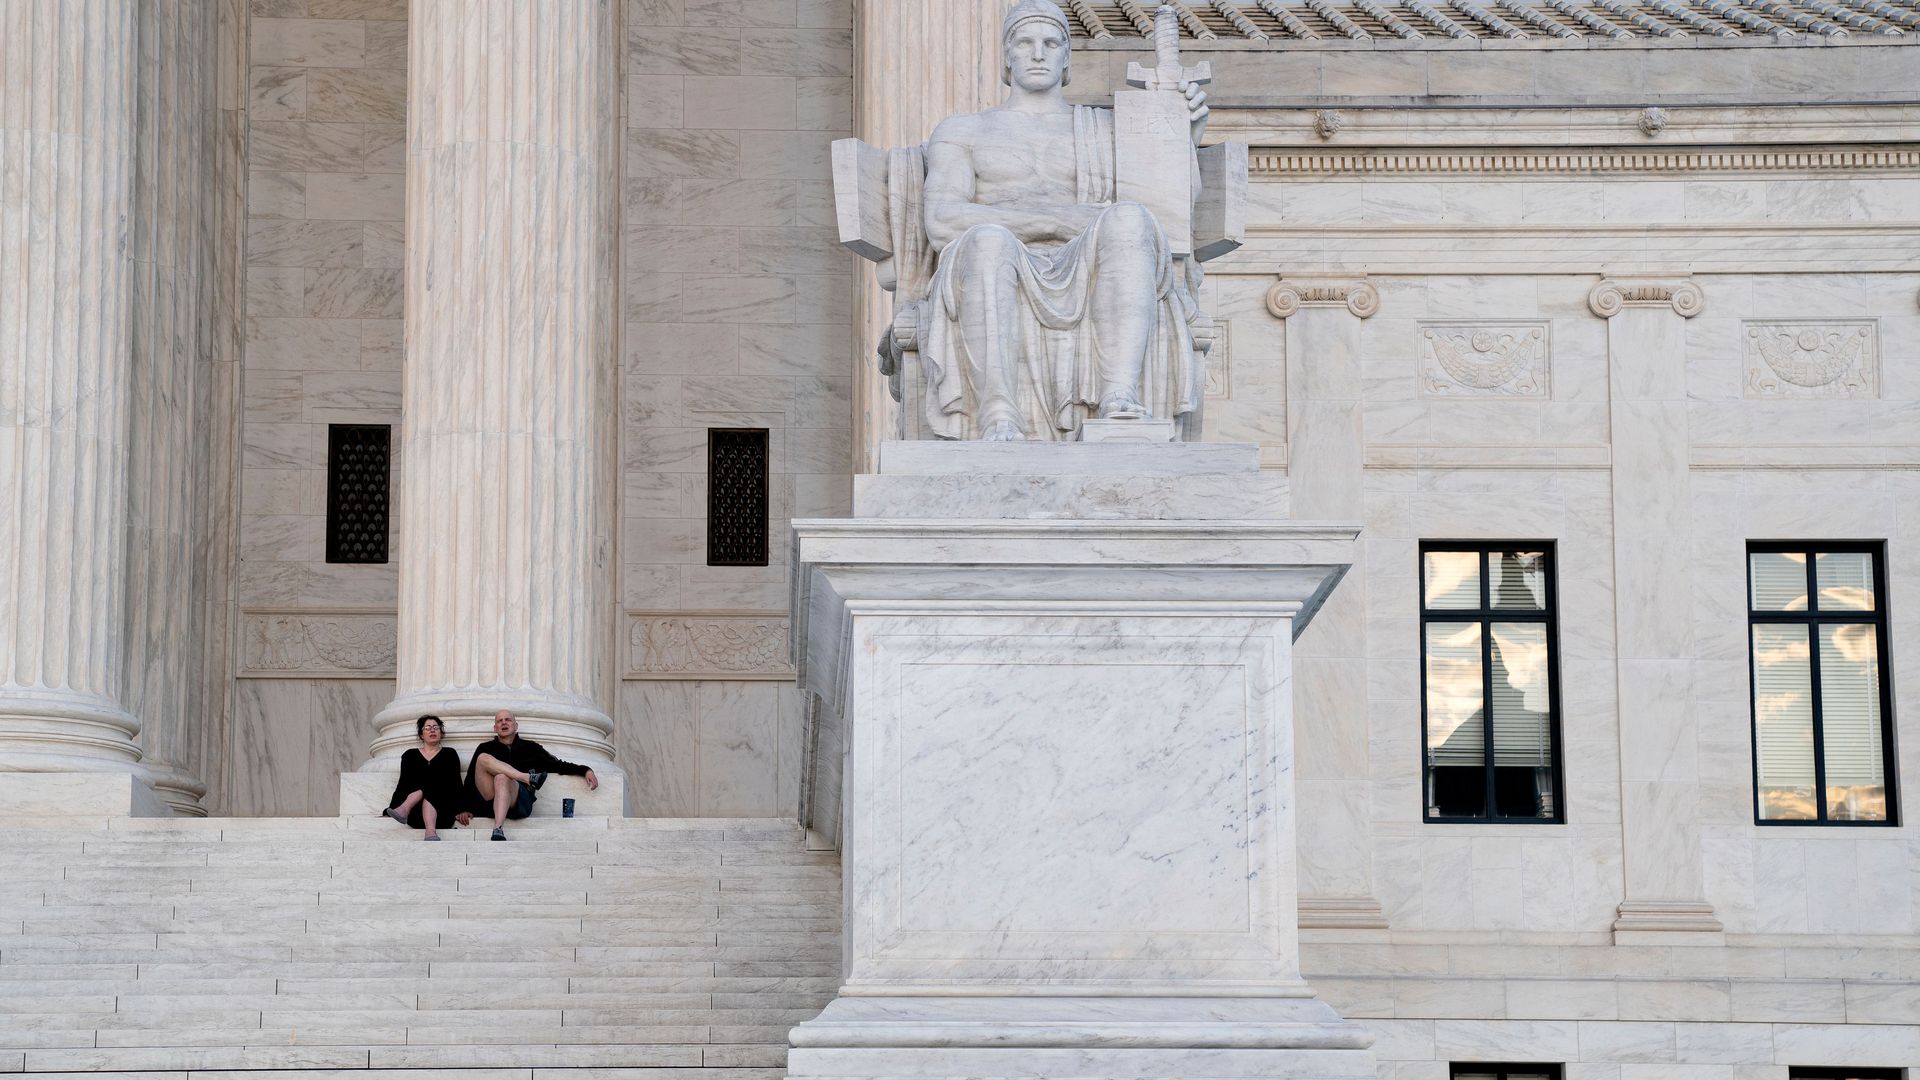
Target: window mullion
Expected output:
[1486,680]
[1813,689]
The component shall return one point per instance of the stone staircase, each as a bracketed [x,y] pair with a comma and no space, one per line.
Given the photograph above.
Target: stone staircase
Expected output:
[642,948]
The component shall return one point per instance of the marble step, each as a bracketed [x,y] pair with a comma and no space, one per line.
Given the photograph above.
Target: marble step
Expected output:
[323,947]
[584,1056]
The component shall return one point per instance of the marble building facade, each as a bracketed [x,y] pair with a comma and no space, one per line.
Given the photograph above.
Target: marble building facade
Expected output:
[1502,284]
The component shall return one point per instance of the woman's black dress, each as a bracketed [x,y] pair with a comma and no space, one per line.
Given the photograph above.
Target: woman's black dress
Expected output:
[439,779]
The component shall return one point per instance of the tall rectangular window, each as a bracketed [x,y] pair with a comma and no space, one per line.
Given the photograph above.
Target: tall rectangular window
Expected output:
[357,469]
[1489,688]
[737,470]
[1822,721]
[1469,1070]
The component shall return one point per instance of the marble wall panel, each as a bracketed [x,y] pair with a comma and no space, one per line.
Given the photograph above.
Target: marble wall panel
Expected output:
[737,316]
[738,307]
[291,740]
[325,91]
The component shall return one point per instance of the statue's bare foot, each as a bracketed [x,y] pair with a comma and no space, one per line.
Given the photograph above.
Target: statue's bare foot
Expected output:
[1123,405]
[1002,431]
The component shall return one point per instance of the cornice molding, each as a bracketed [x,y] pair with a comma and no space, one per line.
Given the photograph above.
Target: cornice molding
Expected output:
[1407,125]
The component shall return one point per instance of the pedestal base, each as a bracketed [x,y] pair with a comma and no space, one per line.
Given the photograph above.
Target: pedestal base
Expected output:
[80,794]
[1068,1038]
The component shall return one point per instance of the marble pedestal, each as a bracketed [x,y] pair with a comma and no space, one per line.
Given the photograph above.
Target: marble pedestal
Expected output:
[80,794]
[1056,749]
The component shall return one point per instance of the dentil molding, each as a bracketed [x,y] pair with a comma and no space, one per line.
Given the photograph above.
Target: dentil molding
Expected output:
[1614,295]
[1357,295]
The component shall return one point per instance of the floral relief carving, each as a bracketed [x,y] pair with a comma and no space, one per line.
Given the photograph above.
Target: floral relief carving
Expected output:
[1787,358]
[1484,359]
[709,647]
[293,643]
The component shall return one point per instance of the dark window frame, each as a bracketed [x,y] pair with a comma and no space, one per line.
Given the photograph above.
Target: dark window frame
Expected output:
[1845,1072]
[1486,614]
[759,547]
[1813,618]
[338,436]
[1552,1069]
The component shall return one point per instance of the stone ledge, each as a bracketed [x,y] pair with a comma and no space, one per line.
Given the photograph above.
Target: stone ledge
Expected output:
[365,794]
[940,457]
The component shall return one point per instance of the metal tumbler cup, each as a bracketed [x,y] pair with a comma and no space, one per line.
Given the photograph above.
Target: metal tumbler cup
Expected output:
[566,807]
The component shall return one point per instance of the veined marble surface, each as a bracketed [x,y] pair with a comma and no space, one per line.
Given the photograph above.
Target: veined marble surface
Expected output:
[1058,758]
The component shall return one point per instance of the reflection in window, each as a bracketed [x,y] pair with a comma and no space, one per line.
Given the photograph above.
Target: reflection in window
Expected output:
[1490,701]
[1821,727]
[1476,1071]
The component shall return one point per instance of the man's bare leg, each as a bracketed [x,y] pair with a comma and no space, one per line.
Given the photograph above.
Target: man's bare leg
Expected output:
[1122,307]
[992,288]
[498,783]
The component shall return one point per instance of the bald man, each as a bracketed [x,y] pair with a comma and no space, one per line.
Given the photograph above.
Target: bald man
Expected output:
[507,770]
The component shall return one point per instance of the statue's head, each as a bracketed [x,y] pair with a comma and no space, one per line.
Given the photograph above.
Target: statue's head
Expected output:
[1035,42]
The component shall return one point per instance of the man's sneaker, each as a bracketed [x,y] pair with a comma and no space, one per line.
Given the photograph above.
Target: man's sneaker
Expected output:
[535,779]
[499,833]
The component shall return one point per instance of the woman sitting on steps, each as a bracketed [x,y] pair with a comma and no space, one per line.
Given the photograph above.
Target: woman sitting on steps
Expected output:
[429,787]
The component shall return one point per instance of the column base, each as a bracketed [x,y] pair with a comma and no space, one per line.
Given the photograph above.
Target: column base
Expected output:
[1667,922]
[176,787]
[79,794]
[572,728]
[1069,1038]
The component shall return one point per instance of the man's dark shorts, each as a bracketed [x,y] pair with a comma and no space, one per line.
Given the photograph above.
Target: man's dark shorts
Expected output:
[522,806]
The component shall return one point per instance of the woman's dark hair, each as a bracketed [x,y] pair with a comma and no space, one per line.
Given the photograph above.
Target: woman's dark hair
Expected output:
[420,726]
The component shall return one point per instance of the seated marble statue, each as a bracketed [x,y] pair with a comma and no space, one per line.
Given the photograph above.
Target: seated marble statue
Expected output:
[1035,298]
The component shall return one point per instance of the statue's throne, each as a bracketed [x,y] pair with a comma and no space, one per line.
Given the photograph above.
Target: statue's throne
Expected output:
[879,211]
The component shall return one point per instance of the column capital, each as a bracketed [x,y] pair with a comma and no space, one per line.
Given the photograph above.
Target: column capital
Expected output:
[1614,295]
[1290,294]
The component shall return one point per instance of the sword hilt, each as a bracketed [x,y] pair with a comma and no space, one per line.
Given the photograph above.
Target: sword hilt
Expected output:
[1166,46]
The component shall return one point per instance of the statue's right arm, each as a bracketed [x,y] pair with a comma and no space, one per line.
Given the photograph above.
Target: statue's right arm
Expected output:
[948,198]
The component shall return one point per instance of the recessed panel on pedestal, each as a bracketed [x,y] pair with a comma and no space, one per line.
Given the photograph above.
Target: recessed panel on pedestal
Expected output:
[1010,774]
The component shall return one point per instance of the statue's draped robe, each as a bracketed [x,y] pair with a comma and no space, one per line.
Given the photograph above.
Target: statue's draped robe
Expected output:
[1058,381]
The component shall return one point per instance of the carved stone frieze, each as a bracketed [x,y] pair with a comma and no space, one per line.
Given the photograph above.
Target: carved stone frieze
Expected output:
[1612,296]
[708,646]
[317,644]
[1509,359]
[1357,295]
[1799,358]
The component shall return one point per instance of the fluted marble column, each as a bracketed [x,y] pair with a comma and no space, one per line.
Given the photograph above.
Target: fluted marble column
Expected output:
[920,61]
[67,151]
[505,507]
[171,255]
